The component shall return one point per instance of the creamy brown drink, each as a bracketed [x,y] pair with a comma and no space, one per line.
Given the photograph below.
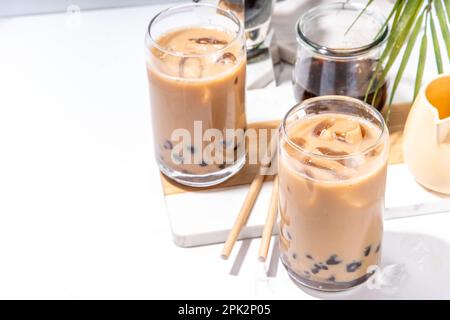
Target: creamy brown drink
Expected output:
[332,176]
[197,83]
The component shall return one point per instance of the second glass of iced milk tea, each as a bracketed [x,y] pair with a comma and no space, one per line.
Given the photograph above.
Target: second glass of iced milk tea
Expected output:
[196,62]
[333,155]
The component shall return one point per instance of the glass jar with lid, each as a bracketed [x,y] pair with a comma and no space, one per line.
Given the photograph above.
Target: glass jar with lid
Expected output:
[336,59]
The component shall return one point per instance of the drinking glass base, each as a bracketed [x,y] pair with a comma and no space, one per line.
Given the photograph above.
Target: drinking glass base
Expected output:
[324,286]
[202,180]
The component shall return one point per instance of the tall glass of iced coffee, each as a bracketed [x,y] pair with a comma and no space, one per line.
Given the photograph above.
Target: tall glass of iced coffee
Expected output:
[196,62]
[333,156]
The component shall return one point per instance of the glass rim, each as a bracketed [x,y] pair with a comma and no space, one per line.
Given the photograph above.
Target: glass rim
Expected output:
[225,12]
[349,52]
[303,105]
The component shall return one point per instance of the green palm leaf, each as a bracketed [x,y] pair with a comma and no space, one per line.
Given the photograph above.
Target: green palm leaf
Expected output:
[406,27]
[422,60]
[443,22]
[437,49]
[388,48]
[359,16]
[405,59]
[447,5]
[397,9]
[398,37]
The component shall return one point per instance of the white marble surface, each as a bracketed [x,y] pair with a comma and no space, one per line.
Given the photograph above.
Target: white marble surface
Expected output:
[404,197]
[81,208]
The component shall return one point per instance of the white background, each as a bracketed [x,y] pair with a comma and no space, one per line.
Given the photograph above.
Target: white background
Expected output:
[82,213]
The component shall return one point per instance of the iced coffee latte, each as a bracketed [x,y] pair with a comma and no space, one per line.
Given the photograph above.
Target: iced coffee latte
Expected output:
[332,176]
[196,71]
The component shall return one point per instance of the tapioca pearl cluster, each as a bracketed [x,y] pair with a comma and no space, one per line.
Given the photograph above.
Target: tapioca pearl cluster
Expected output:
[316,267]
[168,146]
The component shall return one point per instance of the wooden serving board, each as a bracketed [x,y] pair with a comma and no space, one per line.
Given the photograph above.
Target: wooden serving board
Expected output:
[201,216]
[245,176]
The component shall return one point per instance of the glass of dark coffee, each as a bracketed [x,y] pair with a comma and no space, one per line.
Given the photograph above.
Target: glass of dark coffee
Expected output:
[334,59]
